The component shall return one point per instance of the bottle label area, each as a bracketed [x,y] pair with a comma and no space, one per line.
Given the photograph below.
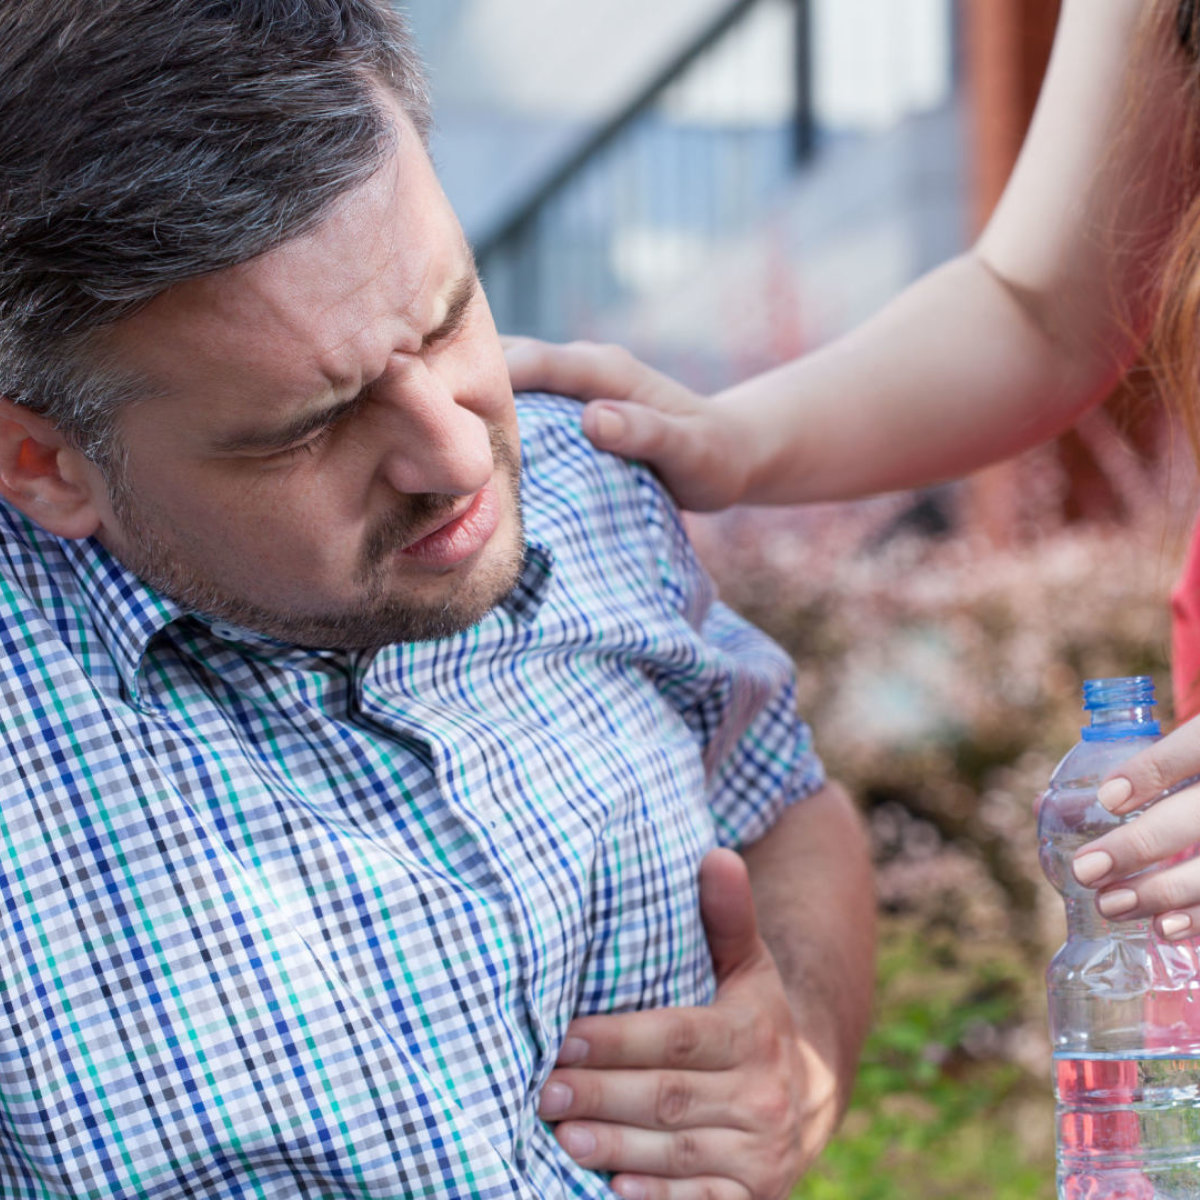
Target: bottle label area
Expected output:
[1128,1128]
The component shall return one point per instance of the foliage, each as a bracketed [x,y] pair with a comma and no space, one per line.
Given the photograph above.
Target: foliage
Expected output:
[942,679]
[942,1107]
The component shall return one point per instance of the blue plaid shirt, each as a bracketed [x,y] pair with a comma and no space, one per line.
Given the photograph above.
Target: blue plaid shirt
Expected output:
[295,924]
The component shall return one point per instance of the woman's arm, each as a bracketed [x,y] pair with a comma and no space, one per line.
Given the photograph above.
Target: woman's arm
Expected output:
[996,351]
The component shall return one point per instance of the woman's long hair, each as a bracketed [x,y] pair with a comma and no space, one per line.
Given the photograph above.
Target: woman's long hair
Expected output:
[1173,351]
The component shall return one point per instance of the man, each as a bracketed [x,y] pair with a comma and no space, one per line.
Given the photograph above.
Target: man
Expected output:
[331,788]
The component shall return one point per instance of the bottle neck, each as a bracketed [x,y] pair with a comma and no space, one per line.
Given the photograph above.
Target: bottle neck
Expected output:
[1120,708]
[1110,724]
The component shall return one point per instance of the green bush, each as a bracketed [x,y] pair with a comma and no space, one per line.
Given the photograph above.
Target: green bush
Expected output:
[939,1110]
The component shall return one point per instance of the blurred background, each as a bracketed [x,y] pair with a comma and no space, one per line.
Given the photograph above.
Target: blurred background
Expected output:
[721,186]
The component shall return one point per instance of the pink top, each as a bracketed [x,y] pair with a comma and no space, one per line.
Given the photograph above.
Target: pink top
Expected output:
[1185,634]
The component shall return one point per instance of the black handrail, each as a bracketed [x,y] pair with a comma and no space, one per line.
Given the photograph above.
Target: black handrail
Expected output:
[804,138]
[528,209]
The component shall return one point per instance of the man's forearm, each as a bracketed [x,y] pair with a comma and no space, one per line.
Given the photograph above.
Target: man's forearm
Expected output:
[813,890]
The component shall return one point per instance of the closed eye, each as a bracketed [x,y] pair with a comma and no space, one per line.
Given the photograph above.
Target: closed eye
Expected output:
[456,314]
[312,441]
[309,446]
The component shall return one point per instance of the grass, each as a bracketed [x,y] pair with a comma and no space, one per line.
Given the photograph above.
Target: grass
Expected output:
[939,1111]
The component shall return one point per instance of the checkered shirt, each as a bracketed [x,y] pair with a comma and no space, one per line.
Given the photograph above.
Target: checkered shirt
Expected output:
[286,923]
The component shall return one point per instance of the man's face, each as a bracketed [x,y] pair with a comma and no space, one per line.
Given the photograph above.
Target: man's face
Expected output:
[331,454]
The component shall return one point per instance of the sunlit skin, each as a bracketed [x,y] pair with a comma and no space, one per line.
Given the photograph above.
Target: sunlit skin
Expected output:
[330,452]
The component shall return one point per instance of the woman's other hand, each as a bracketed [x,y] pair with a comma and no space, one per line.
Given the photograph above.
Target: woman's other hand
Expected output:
[1148,867]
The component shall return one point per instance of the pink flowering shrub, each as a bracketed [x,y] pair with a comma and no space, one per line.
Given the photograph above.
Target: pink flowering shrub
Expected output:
[942,677]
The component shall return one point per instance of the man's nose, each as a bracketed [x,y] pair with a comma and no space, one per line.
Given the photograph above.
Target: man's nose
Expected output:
[432,442]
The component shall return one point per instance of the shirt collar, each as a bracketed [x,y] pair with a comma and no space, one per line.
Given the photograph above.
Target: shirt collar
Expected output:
[127,613]
[527,597]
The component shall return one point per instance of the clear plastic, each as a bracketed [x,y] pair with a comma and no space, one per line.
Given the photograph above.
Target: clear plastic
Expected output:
[1124,1005]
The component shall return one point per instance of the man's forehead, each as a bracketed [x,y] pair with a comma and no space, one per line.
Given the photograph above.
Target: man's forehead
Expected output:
[391,243]
[390,251]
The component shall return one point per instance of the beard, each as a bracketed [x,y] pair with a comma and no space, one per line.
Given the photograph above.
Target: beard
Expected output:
[379,615]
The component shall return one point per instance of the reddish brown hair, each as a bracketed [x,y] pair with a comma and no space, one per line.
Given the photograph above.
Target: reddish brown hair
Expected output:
[1174,346]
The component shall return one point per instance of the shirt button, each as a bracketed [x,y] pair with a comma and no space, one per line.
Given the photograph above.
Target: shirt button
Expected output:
[225,631]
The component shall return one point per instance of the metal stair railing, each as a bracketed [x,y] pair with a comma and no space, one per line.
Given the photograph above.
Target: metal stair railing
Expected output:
[552,264]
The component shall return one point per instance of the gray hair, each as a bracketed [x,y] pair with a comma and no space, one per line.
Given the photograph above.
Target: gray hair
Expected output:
[146,142]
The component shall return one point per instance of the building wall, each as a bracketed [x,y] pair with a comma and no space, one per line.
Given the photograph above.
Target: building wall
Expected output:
[693,237]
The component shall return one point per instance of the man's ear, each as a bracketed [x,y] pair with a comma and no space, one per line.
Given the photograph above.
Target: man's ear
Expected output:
[45,477]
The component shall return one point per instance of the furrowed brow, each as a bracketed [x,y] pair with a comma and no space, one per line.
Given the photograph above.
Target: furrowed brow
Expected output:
[296,431]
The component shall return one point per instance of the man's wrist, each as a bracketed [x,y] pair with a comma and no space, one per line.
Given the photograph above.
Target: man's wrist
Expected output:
[825,1093]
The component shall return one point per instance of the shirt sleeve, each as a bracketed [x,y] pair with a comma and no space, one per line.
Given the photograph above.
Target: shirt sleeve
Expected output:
[738,696]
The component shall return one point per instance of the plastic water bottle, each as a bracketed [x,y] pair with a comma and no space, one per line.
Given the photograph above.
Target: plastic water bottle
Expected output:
[1124,1005]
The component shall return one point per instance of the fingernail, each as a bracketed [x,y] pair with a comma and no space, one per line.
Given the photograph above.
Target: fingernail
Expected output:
[573,1050]
[1113,904]
[579,1143]
[1090,867]
[1113,794]
[556,1099]
[608,425]
[631,1189]
[1176,925]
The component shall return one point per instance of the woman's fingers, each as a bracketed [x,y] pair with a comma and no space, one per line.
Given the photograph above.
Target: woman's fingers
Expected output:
[1119,865]
[1163,782]
[1178,925]
[1166,766]
[1169,828]
[592,371]
[640,413]
[1172,890]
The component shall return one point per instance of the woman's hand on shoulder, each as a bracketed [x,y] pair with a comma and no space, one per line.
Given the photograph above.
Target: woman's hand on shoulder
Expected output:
[632,410]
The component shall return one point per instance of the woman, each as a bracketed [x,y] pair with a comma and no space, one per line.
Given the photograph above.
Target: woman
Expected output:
[1092,256]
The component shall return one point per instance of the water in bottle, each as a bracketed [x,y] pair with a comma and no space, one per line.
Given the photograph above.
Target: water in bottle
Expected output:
[1124,1005]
